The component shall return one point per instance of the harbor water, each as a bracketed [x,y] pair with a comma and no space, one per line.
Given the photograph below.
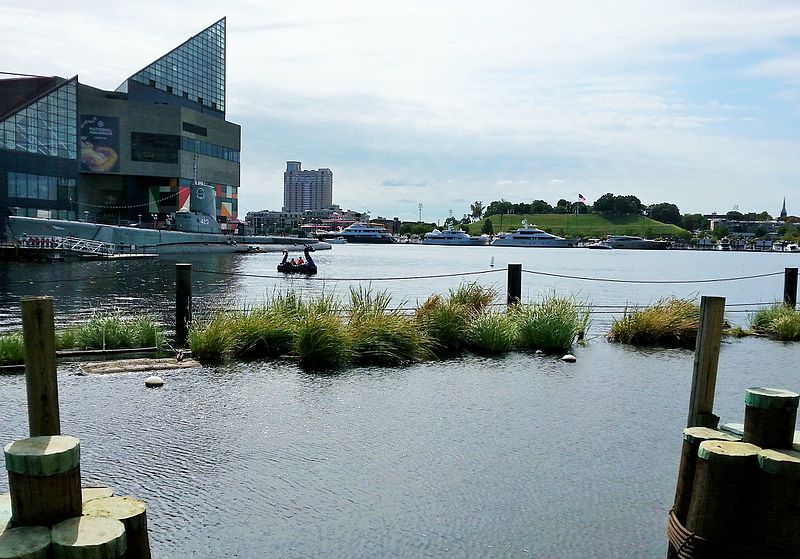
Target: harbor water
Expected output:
[518,456]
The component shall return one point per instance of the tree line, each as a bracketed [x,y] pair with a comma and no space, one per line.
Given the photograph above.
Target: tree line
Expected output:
[610,205]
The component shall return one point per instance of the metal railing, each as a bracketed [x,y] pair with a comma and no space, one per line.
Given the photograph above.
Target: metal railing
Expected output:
[69,244]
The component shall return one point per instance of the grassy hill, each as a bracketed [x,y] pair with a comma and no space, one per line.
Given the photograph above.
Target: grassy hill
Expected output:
[588,225]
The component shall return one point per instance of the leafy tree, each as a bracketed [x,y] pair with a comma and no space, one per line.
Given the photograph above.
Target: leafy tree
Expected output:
[694,222]
[540,207]
[487,227]
[476,209]
[563,207]
[629,204]
[760,232]
[605,204]
[501,207]
[416,228]
[450,222]
[665,213]
[720,231]
[764,216]
[734,216]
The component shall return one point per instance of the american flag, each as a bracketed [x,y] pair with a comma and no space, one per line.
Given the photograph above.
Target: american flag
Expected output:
[581,198]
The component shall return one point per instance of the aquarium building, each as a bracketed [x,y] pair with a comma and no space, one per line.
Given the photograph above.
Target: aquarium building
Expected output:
[72,151]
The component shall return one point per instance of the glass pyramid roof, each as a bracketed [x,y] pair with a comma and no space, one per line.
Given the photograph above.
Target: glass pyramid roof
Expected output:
[195,70]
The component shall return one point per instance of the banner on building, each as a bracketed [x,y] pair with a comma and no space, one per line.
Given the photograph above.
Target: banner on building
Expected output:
[99,144]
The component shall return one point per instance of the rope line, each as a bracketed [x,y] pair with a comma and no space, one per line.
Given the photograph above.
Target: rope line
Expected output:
[101,206]
[317,278]
[611,280]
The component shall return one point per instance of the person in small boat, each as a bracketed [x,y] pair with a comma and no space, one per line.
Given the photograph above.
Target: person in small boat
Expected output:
[293,262]
[300,261]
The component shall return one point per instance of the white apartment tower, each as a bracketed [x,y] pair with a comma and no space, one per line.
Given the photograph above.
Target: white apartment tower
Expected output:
[306,190]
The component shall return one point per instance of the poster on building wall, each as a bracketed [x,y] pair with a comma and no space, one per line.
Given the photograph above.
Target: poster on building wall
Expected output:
[99,144]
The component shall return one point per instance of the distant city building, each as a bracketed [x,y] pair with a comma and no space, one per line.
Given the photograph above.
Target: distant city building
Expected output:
[306,190]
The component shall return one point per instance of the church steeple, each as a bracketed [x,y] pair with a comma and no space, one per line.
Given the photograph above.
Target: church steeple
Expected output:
[783,210]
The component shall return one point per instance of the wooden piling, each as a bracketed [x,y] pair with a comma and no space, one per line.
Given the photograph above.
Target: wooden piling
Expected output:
[514,285]
[90,493]
[183,303]
[132,513]
[5,512]
[692,437]
[790,287]
[87,537]
[722,492]
[39,336]
[706,360]
[769,417]
[776,506]
[25,542]
[44,479]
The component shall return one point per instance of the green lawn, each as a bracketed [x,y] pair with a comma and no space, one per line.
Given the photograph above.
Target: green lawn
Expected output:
[589,225]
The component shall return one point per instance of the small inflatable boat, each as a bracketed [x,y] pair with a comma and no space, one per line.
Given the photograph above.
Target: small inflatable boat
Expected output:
[308,267]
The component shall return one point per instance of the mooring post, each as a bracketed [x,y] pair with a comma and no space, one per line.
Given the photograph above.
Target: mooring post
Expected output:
[183,303]
[514,284]
[706,359]
[790,287]
[38,332]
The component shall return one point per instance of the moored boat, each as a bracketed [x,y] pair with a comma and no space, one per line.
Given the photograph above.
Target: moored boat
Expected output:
[364,233]
[633,242]
[533,237]
[306,267]
[451,236]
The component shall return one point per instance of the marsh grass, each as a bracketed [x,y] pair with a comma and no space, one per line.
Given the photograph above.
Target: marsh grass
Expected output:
[12,349]
[323,342]
[779,322]
[445,323]
[670,323]
[112,331]
[491,333]
[264,332]
[213,340]
[474,297]
[550,325]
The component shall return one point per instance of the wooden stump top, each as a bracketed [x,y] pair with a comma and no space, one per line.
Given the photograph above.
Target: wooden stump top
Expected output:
[85,536]
[118,508]
[780,462]
[95,492]
[699,434]
[771,398]
[43,456]
[727,451]
[25,542]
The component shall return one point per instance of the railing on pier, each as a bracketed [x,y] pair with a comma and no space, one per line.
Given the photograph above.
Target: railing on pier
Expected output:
[69,244]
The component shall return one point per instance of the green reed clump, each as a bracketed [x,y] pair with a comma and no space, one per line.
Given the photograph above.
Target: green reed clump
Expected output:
[263,332]
[112,331]
[212,340]
[445,322]
[323,341]
[670,322]
[12,349]
[381,336]
[473,296]
[491,333]
[551,325]
[779,322]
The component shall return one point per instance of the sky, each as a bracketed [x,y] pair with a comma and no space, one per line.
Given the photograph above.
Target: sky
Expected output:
[443,103]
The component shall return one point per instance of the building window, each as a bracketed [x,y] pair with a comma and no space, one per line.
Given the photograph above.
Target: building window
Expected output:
[156,148]
[194,129]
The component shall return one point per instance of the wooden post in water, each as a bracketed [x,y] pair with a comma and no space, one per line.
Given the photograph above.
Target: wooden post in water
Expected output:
[706,360]
[770,415]
[183,303]
[514,287]
[790,287]
[39,336]
[132,513]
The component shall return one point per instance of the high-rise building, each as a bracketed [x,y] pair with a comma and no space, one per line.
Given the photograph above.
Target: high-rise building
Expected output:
[72,151]
[306,190]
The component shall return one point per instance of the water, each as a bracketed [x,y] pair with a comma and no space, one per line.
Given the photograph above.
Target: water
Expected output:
[519,456]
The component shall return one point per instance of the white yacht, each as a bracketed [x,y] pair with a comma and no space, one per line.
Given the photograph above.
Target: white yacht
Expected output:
[364,233]
[532,237]
[453,237]
[629,241]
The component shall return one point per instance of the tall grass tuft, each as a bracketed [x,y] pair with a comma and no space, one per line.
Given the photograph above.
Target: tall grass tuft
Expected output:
[551,325]
[779,322]
[12,349]
[445,322]
[263,332]
[322,342]
[213,340]
[670,322]
[473,296]
[364,301]
[112,331]
[491,333]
